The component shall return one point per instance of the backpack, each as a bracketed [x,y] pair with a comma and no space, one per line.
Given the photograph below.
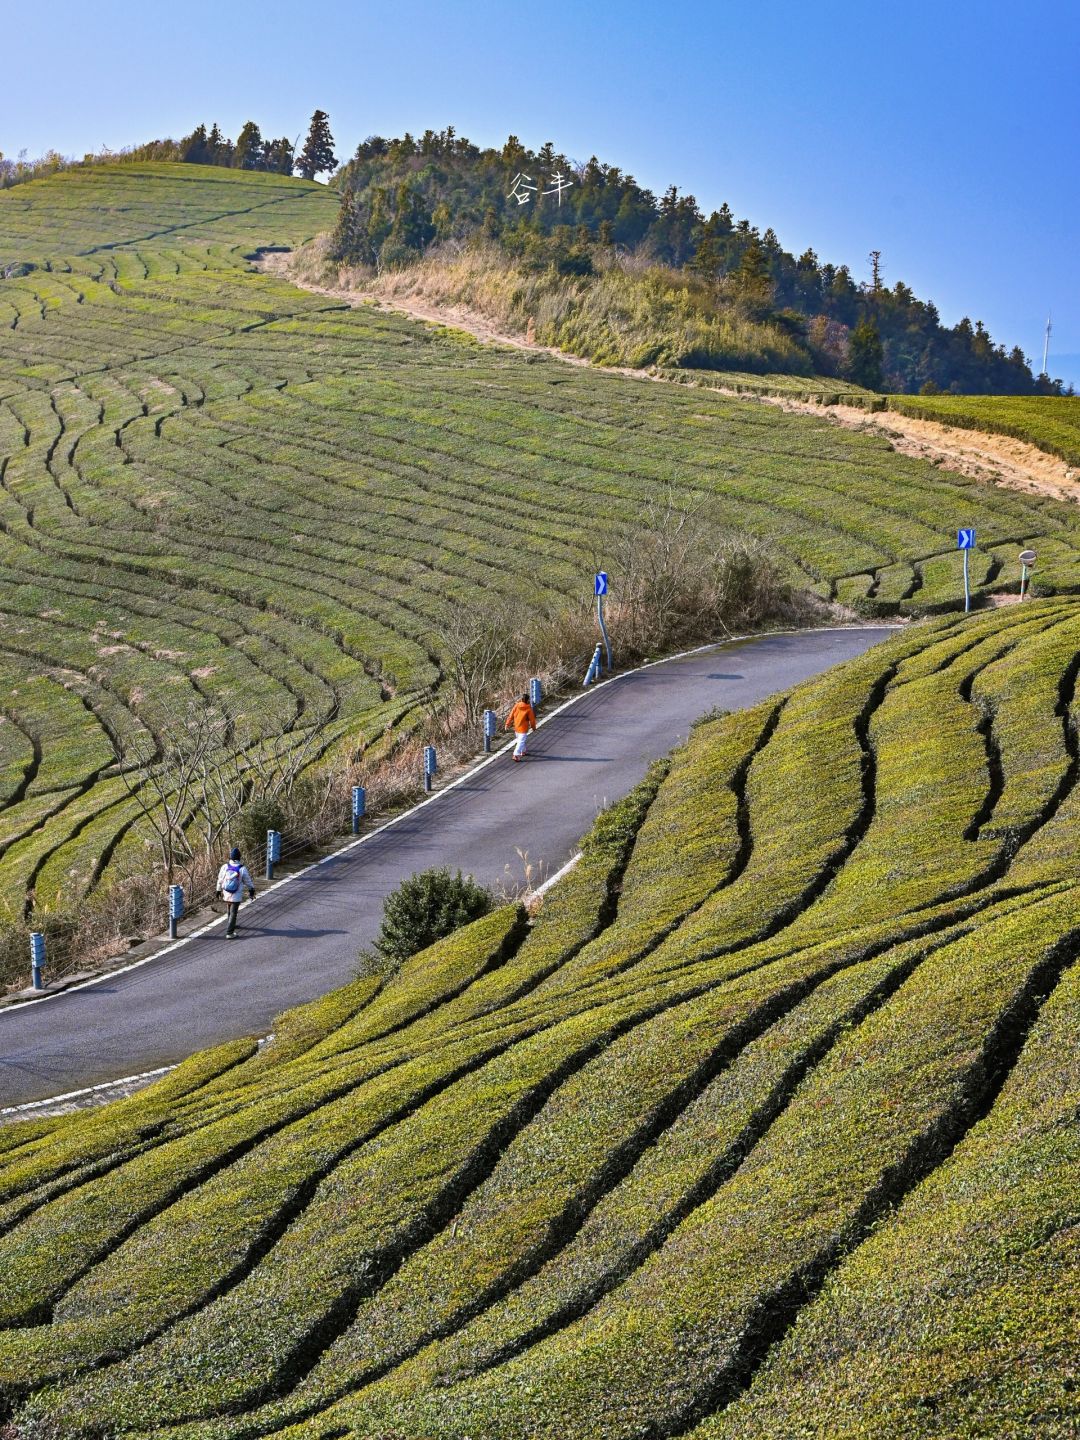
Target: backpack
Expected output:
[232,882]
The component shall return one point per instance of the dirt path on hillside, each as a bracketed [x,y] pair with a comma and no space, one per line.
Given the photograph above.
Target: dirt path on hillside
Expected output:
[977,453]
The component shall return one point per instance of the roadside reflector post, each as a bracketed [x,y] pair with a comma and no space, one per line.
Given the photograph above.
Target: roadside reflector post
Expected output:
[536,693]
[359,807]
[176,908]
[491,726]
[593,672]
[1027,564]
[965,541]
[430,766]
[601,587]
[37,959]
[273,851]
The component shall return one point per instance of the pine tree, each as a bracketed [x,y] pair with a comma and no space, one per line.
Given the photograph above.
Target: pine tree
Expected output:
[707,256]
[216,145]
[278,156]
[865,355]
[752,278]
[193,147]
[248,154]
[318,152]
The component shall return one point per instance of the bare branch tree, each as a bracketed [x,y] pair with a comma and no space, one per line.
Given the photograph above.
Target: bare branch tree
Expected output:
[477,644]
[679,576]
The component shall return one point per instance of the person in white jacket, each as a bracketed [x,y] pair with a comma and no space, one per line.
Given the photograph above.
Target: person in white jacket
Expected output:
[233,879]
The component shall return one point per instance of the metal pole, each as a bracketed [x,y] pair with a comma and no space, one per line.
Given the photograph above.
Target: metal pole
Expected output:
[176,908]
[273,851]
[491,722]
[603,627]
[37,959]
[967,584]
[359,807]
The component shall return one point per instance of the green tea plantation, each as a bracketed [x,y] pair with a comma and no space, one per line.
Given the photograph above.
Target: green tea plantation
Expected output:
[1050,422]
[217,490]
[766,1126]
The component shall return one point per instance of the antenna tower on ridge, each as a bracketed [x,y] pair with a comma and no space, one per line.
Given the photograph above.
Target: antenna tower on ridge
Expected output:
[1046,346]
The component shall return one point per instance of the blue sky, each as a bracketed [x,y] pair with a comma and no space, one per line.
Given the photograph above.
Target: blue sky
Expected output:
[944,134]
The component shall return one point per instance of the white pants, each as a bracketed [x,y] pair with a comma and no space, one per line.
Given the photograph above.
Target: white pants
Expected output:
[522,741]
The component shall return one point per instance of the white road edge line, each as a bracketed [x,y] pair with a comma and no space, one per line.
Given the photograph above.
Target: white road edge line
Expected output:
[553,879]
[469,774]
[87,1090]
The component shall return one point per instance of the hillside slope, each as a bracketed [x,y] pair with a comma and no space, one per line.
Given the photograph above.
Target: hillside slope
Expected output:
[219,491]
[767,1127]
[1051,423]
[610,269]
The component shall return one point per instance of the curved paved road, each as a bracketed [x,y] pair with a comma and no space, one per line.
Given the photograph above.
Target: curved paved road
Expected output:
[301,940]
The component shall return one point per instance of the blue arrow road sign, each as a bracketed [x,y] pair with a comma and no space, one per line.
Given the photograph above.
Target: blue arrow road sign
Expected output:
[601,582]
[965,539]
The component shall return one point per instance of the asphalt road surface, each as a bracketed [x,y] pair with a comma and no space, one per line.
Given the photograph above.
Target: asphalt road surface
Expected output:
[301,940]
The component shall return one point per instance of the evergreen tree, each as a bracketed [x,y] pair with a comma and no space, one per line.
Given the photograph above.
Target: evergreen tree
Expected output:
[708,256]
[752,280]
[459,190]
[865,355]
[425,908]
[318,152]
[442,220]
[513,153]
[248,154]
[193,147]
[278,156]
[219,147]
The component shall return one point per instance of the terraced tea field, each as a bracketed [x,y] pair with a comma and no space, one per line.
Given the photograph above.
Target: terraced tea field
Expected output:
[766,1127]
[1050,422]
[215,488]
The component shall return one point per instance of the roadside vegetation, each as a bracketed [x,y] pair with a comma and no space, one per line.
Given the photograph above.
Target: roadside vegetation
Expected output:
[423,909]
[765,1125]
[324,533]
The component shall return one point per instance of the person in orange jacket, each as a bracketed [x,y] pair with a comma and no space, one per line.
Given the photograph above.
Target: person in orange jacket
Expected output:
[521,720]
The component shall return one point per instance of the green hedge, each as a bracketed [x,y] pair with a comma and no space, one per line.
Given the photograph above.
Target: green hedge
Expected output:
[887,1103]
[958,1315]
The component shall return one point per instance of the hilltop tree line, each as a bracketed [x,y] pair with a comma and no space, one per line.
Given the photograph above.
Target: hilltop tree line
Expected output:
[249,151]
[400,197]
[403,197]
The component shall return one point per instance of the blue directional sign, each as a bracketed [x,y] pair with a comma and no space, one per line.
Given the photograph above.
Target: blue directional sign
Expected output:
[965,539]
[601,582]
